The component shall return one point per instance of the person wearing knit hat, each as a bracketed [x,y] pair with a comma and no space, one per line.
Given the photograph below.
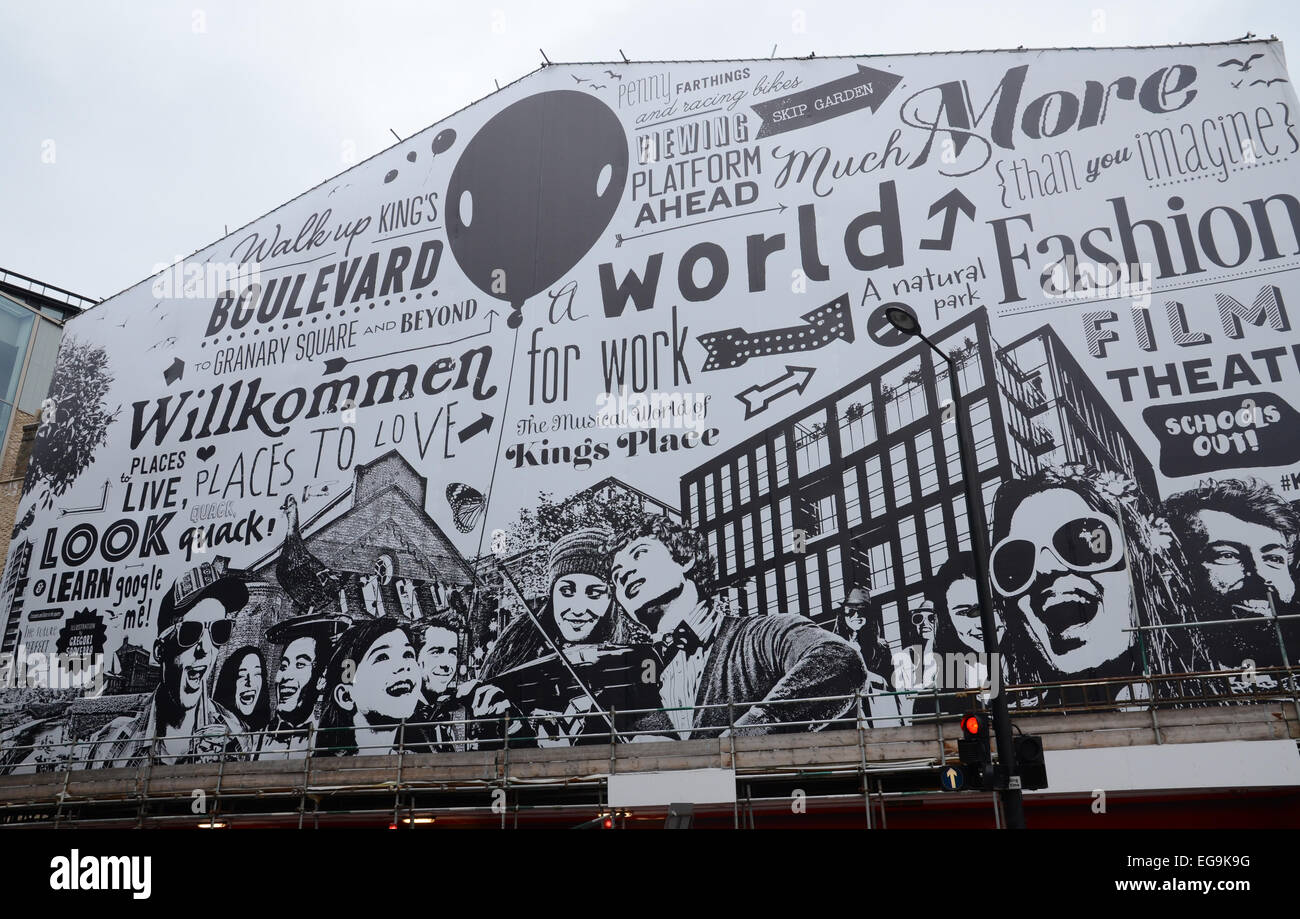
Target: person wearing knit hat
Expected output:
[578,570]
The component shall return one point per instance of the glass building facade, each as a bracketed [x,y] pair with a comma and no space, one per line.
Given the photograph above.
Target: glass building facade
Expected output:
[871,475]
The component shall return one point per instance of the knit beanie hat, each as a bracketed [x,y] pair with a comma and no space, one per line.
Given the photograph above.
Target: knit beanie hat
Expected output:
[583,551]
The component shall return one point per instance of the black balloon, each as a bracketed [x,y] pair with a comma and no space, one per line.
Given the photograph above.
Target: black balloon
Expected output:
[443,140]
[533,191]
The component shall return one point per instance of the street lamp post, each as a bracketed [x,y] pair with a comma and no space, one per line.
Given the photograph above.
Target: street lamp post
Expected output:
[1012,798]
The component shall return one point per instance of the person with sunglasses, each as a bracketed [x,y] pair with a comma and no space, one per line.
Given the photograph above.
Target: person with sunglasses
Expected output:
[915,667]
[180,721]
[1073,565]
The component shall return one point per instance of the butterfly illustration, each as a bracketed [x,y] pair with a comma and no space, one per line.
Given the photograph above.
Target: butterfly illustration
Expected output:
[466,505]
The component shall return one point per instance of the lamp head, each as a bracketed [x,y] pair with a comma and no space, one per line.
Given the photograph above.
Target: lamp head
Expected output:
[902,320]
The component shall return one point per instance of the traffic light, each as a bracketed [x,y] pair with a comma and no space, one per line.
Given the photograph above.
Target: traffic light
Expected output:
[1030,761]
[602,822]
[975,751]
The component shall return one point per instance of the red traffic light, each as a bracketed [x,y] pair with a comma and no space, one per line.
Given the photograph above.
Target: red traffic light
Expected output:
[607,823]
[974,725]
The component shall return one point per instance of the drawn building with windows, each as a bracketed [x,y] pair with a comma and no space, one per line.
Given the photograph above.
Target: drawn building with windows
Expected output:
[373,540]
[872,475]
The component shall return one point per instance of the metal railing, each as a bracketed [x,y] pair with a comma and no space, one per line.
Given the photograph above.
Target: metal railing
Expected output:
[48,291]
[514,731]
[408,752]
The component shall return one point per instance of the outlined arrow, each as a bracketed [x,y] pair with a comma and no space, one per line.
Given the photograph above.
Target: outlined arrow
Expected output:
[103,503]
[484,423]
[950,204]
[174,372]
[619,238]
[335,364]
[758,398]
[732,347]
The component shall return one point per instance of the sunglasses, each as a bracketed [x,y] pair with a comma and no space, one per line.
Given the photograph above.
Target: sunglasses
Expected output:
[1085,544]
[922,616]
[189,634]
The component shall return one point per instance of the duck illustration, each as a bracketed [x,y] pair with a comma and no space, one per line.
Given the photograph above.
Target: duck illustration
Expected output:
[305,578]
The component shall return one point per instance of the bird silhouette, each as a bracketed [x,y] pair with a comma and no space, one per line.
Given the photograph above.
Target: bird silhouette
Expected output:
[310,584]
[1237,84]
[25,522]
[598,85]
[1243,66]
[616,76]
[578,79]
[1267,82]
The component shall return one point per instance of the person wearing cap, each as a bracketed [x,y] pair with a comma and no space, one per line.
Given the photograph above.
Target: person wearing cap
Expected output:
[181,722]
[299,682]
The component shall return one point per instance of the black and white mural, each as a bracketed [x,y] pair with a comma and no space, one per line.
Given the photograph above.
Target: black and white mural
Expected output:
[577,414]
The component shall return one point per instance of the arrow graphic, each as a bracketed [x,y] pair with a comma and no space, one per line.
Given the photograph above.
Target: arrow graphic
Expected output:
[619,238]
[950,204]
[174,372]
[103,503]
[758,398]
[335,364]
[484,423]
[952,776]
[867,88]
[733,347]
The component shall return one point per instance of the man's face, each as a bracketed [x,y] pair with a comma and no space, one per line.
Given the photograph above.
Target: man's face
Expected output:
[578,602]
[1076,619]
[644,572]
[963,602]
[383,687]
[187,668]
[438,658]
[1241,561]
[293,683]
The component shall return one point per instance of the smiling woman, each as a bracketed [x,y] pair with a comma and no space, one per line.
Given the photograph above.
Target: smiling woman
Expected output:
[241,688]
[371,686]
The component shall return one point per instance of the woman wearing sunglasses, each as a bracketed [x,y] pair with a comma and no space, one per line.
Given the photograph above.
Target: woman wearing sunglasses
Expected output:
[1074,564]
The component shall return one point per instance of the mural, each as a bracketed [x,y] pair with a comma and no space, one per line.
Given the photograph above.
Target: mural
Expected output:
[577,413]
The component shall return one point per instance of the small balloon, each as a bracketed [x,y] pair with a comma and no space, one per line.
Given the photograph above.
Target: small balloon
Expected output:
[443,140]
[392,174]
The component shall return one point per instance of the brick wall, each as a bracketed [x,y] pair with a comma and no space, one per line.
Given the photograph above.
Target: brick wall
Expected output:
[17,448]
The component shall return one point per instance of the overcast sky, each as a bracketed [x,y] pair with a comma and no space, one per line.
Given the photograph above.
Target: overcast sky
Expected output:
[136,132]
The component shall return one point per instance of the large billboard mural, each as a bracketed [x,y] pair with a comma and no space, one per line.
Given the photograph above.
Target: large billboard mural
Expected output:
[577,413]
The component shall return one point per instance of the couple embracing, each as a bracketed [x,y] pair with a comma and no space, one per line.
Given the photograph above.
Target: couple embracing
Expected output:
[635,616]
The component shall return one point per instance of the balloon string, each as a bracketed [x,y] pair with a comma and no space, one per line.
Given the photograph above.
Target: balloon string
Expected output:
[496,459]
